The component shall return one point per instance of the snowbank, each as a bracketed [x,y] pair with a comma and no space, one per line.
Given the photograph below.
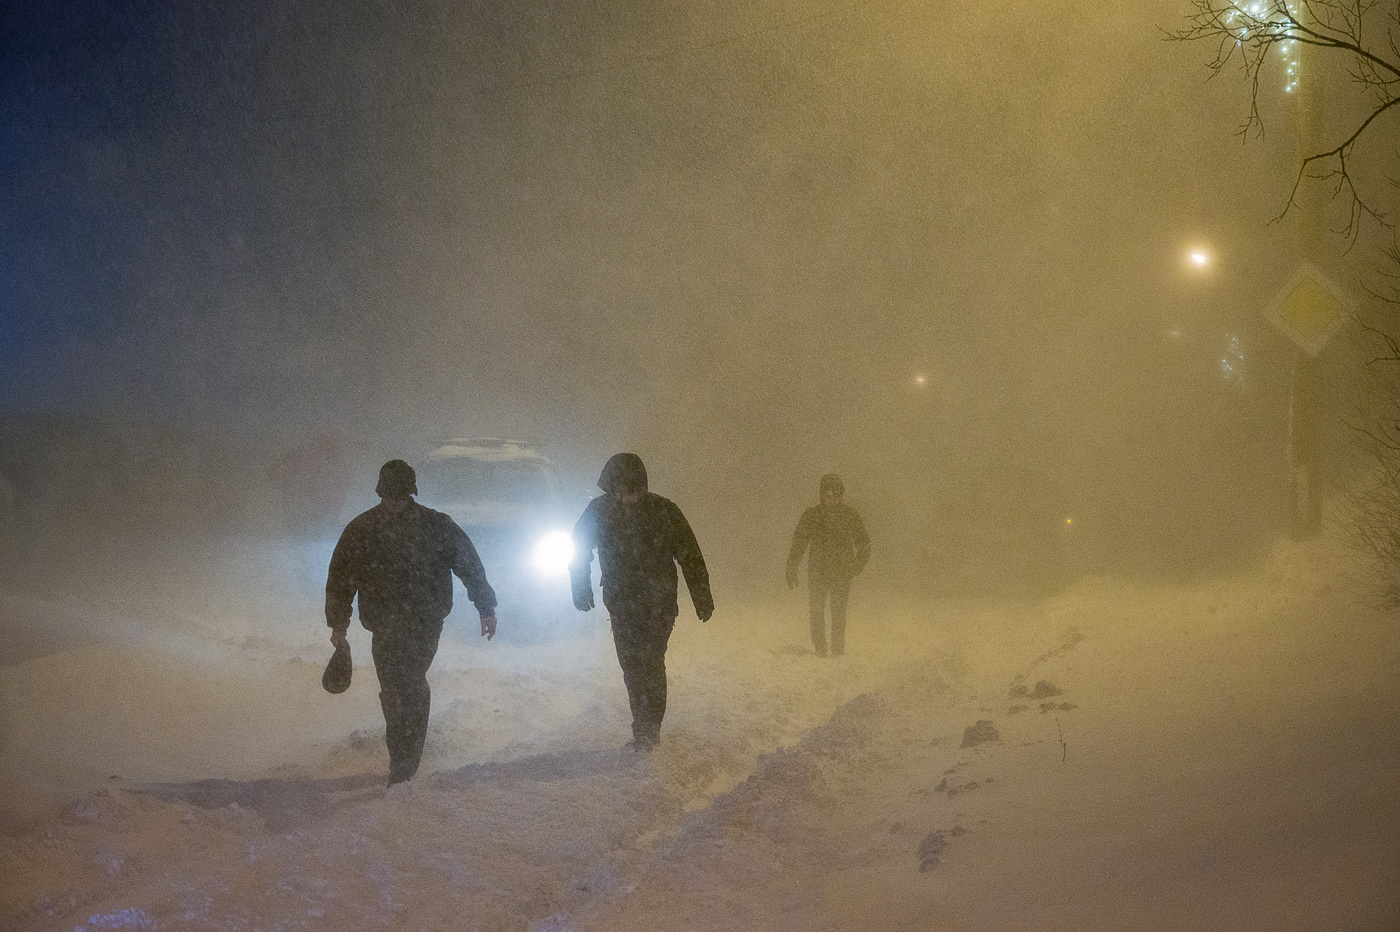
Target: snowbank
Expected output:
[1215,755]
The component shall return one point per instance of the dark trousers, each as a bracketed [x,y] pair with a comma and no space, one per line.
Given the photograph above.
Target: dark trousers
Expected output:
[819,589]
[402,655]
[641,637]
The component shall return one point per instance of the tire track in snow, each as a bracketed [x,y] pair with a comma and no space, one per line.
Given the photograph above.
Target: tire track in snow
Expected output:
[718,862]
[854,798]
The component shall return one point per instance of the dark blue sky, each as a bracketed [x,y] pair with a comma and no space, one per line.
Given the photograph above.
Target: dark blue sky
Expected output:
[175,177]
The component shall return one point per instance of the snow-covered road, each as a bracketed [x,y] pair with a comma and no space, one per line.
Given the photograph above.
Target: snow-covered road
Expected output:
[1218,755]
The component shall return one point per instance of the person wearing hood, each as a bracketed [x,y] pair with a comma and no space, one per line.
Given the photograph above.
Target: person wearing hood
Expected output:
[399,558]
[839,550]
[640,537]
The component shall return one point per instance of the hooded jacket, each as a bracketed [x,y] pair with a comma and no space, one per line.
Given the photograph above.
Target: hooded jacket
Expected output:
[839,545]
[401,567]
[639,545]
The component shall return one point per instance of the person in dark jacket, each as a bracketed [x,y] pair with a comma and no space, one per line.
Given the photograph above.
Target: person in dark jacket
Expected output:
[640,537]
[838,548]
[399,558]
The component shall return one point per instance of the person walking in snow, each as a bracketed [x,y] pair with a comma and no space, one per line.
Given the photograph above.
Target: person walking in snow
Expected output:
[640,537]
[399,558]
[837,550]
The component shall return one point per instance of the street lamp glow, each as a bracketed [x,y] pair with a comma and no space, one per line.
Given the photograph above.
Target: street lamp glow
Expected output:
[920,380]
[1199,258]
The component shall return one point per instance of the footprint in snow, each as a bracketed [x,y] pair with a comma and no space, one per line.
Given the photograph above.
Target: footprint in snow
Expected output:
[932,846]
[984,732]
[1043,689]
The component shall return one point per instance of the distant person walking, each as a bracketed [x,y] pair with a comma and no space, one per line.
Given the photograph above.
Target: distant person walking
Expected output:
[399,558]
[640,537]
[837,550]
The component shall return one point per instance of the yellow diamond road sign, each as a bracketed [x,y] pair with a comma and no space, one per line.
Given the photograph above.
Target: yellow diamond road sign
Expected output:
[1309,309]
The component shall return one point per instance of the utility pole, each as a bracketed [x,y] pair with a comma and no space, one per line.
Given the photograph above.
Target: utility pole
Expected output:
[1304,83]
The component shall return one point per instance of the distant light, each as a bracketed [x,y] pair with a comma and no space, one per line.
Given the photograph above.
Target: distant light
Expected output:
[1199,258]
[1069,521]
[919,380]
[1232,361]
[1174,334]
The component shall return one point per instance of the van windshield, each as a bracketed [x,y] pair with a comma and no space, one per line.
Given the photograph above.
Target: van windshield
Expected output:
[462,479]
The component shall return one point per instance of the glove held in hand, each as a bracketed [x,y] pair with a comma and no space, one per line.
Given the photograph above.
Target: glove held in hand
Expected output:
[336,679]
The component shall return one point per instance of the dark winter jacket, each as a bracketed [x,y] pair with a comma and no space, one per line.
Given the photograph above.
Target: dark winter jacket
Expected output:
[839,545]
[401,567]
[639,545]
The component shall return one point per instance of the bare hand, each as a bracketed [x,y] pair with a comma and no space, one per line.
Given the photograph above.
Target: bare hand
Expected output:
[584,603]
[707,614]
[488,626]
[339,639]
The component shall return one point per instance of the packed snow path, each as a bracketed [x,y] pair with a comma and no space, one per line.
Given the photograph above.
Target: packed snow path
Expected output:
[1213,756]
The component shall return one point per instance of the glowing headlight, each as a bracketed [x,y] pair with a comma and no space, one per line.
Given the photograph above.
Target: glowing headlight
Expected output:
[554,553]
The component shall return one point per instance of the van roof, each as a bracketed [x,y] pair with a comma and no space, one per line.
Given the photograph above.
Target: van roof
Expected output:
[492,449]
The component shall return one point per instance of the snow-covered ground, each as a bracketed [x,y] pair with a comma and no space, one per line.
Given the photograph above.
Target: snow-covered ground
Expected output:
[1211,755]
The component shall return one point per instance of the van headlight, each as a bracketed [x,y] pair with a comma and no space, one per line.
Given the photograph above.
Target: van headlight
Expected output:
[554,552]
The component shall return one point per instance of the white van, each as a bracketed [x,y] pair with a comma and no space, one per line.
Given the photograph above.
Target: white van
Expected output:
[506,495]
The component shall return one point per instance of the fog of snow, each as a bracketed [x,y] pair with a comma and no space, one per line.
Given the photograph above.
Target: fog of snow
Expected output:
[1002,267]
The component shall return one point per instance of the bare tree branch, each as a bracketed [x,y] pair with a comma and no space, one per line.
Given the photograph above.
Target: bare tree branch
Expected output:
[1254,31]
